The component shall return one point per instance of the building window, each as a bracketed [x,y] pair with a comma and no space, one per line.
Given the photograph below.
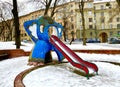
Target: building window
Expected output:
[102,20]
[81,27]
[71,5]
[72,19]
[89,5]
[110,20]
[103,26]
[102,7]
[72,26]
[111,33]
[118,19]
[110,26]
[80,20]
[90,19]
[110,13]
[94,8]
[90,27]
[91,33]
[118,32]
[89,12]
[118,25]
[102,13]
[94,14]
[32,17]
[72,12]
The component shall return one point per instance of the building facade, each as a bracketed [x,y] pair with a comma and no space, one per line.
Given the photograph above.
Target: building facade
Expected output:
[102,20]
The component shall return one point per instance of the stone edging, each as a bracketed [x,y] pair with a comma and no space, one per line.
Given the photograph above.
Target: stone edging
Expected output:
[18,80]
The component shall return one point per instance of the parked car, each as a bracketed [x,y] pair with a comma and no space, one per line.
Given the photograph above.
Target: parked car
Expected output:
[114,40]
[92,41]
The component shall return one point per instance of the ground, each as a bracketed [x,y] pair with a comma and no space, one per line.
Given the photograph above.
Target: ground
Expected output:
[63,75]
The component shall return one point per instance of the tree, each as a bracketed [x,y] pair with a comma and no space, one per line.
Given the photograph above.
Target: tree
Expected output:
[64,15]
[16,22]
[118,1]
[116,9]
[48,5]
[81,10]
[6,24]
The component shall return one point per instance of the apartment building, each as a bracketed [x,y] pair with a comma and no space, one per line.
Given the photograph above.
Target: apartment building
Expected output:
[102,20]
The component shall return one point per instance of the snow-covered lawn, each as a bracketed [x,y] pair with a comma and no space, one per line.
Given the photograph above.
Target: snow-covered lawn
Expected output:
[62,75]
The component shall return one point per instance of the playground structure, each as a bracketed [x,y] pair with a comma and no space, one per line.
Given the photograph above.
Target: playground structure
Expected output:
[44,42]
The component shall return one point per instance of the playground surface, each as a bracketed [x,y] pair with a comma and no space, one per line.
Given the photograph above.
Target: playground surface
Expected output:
[63,75]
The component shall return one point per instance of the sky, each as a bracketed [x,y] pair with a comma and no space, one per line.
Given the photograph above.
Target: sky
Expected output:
[27,0]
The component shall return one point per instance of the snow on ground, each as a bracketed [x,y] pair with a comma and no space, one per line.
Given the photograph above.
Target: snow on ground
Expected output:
[62,75]
[75,45]
[10,68]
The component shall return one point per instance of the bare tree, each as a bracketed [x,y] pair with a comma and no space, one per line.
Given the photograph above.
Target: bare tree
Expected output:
[116,10]
[118,1]
[65,14]
[6,25]
[81,10]
[48,5]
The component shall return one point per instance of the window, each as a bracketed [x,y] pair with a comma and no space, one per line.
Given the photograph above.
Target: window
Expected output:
[102,7]
[102,13]
[32,17]
[102,20]
[94,8]
[111,33]
[89,12]
[72,26]
[80,20]
[103,26]
[89,5]
[71,5]
[110,26]
[81,27]
[118,25]
[90,19]
[118,19]
[91,33]
[72,12]
[94,14]
[72,19]
[90,27]
[118,32]
[110,20]
[110,13]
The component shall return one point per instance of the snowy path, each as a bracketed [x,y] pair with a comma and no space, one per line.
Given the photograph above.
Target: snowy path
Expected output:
[10,68]
[57,76]
[61,76]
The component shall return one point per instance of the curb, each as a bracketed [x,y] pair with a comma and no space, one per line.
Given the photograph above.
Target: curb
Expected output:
[18,82]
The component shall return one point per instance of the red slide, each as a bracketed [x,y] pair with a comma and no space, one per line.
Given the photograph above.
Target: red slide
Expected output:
[72,57]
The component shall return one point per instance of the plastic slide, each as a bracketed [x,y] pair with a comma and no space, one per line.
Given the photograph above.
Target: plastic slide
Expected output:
[72,57]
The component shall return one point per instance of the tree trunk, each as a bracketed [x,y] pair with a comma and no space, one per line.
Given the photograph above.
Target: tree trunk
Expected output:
[16,22]
[83,24]
[118,1]
[47,7]
[81,8]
